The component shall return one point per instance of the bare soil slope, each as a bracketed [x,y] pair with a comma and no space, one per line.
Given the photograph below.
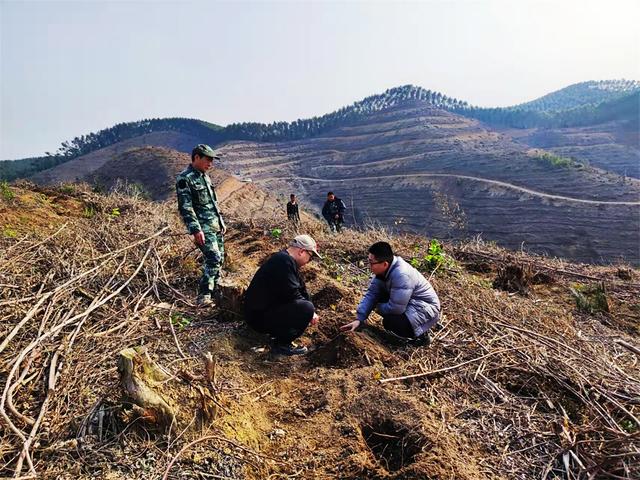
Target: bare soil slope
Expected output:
[426,170]
[612,146]
[82,168]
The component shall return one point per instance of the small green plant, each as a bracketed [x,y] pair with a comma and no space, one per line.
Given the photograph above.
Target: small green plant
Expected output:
[629,426]
[275,233]
[88,212]
[591,298]
[6,191]
[180,321]
[434,258]
[9,232]
[115,212]
[68,188]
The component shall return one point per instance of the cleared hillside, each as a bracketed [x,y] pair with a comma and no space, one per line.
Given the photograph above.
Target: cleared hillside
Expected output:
[612,146]
[84,167]
[430,171]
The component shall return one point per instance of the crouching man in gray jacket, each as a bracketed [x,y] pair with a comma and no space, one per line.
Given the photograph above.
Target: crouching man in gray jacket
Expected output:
[407,302]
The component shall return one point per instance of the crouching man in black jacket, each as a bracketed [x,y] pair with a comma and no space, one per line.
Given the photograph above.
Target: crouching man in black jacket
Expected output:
[277,301]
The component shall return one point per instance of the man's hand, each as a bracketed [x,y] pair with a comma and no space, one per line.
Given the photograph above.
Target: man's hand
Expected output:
[223,230]
[198,238]
[314,320]
[350,327]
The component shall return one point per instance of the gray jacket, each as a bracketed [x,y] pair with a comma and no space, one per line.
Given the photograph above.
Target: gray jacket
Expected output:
[403,290]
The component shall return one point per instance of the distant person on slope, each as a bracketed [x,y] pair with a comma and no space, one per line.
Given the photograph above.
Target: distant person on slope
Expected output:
[293,214]
[277,301]
[333,212]
[407,302]
[198,206]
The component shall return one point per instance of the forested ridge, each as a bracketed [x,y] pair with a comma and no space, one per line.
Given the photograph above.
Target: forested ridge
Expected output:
[577,105]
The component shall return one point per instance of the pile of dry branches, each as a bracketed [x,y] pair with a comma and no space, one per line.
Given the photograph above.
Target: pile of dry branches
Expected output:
[68,303]
[548,396]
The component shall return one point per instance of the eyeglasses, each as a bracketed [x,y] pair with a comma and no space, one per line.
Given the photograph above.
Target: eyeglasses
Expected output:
[375,263]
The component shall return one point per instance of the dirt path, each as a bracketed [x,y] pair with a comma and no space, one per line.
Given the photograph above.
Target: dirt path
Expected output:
[466,177]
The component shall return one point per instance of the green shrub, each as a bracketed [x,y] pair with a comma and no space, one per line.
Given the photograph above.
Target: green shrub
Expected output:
[68,188]
[591,298]
[434,258]
[88,212]
[276,233]
[557,161]
[6,192]
[9,232]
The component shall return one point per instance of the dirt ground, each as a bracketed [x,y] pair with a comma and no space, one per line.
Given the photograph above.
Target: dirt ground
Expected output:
[517,384]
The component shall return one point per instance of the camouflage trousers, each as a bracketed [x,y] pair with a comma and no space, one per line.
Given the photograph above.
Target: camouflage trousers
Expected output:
[213,252]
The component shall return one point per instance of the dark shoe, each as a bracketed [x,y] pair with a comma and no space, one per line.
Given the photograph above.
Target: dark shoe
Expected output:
[437,327]
[423,340]
[289,349]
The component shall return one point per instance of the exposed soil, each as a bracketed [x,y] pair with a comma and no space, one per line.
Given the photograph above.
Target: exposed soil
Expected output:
[508,386]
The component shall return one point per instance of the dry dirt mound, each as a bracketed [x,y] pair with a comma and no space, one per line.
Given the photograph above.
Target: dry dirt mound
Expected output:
[516,385]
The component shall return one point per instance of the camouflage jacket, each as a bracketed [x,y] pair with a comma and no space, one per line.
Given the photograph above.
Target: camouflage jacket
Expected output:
[197,202]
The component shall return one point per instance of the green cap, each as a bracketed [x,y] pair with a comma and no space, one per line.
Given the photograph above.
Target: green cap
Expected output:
[205,151]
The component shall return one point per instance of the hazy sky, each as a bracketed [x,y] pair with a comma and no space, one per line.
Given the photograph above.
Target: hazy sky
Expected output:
[70,68]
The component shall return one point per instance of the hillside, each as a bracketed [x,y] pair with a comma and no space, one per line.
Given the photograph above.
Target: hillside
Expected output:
[580,95]
[447,176]
[582,104]
[519,384]
[609,146]
[425,170]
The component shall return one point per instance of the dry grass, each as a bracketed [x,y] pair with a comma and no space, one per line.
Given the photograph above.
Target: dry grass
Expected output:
[517,385]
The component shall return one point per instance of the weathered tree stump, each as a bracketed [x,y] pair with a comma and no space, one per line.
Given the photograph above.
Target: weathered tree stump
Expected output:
[139,377]
[231,301]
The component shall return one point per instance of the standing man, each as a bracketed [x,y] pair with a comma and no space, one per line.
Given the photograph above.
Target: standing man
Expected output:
[277,301]
[406,300]
[198,206]
[333,212]
[293,214]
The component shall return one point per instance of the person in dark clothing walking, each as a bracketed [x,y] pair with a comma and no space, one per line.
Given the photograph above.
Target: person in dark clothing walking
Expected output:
[277,301]
[333,212]
[293,214]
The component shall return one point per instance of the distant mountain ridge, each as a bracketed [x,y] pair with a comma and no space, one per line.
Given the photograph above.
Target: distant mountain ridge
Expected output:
[575,105]
[581,94]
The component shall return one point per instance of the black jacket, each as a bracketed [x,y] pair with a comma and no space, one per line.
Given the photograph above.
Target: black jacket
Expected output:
[275,283]
[333,208]
[292,211]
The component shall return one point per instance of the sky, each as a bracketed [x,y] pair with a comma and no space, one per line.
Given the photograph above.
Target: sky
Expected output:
[75,67]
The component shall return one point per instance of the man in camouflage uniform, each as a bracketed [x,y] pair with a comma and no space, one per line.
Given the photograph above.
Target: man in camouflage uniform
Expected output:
[198,206]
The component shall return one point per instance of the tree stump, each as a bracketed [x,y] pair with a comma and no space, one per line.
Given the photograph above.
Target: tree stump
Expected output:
[231,302]
[139,377]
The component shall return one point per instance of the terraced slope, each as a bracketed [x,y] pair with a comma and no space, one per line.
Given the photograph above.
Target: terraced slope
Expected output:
[609,146]
[427,170]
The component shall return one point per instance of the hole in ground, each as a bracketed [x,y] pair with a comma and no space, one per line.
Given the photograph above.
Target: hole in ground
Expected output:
[339,352]
[326,297]
[393,445]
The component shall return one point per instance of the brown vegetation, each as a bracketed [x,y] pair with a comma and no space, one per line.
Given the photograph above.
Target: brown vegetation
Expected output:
[514,386]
